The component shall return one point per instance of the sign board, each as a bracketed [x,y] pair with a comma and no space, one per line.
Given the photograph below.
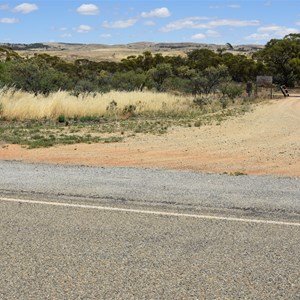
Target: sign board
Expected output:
[264,81]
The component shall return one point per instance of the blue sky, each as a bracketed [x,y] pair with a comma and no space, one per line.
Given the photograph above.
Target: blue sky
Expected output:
[118,22]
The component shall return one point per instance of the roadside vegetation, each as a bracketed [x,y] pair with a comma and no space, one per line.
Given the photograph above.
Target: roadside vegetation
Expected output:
[61,118]
[45,101]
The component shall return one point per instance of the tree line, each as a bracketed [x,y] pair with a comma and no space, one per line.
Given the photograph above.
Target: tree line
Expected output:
[202,71]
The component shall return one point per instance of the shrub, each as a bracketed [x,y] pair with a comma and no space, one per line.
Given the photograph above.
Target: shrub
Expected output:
[209,80]
[201,101]
[129,109]
[232,91]
[224,101]
[112,106]
[128,81]
[159,74]
[61,118]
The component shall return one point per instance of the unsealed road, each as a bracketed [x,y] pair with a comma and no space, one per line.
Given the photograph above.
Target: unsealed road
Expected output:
[90,233]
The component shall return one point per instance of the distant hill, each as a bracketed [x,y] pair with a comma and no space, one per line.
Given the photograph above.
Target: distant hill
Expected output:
[98,52]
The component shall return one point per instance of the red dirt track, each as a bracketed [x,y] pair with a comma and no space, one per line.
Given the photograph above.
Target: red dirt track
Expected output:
[265,141]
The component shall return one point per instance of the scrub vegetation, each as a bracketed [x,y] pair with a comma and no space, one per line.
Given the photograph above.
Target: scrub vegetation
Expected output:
[46,101]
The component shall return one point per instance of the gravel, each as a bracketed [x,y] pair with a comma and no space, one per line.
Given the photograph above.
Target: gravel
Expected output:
[52,252]
[149,187]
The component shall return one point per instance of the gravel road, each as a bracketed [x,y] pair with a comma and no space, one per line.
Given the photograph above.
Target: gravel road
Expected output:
[71,252]
[155,188]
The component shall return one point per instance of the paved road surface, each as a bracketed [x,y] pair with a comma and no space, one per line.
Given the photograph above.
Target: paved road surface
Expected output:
[89,233]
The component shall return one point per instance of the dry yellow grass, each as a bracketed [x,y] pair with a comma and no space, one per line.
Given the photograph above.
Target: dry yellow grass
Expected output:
[101,54]
[20,105]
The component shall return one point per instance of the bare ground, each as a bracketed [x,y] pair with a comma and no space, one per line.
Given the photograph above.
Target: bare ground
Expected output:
[265,141]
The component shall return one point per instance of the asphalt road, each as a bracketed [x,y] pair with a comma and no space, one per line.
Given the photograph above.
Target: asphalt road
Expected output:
[71,232]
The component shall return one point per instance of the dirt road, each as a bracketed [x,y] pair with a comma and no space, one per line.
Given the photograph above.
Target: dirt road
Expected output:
[264,141]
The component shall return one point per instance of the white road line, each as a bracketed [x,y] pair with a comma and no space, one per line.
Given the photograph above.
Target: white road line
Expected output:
[152,212]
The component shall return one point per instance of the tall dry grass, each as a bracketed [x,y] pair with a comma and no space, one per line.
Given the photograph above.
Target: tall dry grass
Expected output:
[15,104]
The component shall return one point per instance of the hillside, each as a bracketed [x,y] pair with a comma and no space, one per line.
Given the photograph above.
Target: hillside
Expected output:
[100,52]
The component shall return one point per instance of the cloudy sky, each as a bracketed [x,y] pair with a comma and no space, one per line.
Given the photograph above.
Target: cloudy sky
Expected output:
[126,21]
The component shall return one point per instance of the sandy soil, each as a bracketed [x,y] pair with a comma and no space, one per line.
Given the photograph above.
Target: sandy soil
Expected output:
[265,141]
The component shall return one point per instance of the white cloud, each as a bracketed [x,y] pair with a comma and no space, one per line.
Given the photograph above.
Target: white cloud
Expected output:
[88,9]
[277,31]
[198,36]
[298,23]
[258,37]
[207,23]
[191,22]
[208,33]
[162,12]
[66,35]
[149,23]
[84,29]
[26,8]
[105,35]
[8,21]
[119,23]
[271,32]
[212,33]
[232,23]
[234,6]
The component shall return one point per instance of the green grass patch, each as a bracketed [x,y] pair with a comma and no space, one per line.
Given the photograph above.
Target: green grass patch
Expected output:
[91,129]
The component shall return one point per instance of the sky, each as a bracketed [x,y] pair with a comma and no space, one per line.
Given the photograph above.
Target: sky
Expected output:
[120,22]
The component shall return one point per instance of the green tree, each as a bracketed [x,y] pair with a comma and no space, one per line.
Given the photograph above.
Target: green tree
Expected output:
[200,59]
[7,54]
[231,90]
[31,77]
[209,80]
[240,68]
[295,65]
[159,74]
[177,84]
[128,81]
[278,56]
[185,72]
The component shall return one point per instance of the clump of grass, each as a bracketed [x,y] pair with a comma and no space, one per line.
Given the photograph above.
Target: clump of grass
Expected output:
[236,173]
[21,106]
[34,136]
[61,118]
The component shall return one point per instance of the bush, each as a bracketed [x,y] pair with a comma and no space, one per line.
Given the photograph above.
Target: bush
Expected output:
[177,84]
[210,79]
[232,91]
[128,81]
[159,74]
[201,101]
[224,101]
[129,109]
[61,119]
[31,77]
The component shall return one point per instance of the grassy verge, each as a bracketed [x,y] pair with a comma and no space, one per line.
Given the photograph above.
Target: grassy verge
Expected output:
[35,134]
[62,119]
[95,129]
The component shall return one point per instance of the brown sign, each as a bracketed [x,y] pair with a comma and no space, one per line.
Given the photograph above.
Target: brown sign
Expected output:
[264,81]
